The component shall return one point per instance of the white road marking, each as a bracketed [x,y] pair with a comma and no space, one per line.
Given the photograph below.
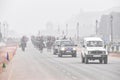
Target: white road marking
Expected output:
[63,70]
[68,74]
[56,66]
[75,78]
[10,74]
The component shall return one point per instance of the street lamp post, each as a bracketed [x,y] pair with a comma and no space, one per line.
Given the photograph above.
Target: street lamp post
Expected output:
[77,31]
[58,31]
[0,27]
[111,17]
[66,30]
[7,30]
[0,33]
[111,21]
[4,27]
[96,27]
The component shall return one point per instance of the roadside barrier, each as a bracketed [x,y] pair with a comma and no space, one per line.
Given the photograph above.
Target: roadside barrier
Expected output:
[1,65]
[6,55]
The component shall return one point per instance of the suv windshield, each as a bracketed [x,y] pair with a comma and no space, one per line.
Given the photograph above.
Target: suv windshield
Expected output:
[94,44]
[67,43]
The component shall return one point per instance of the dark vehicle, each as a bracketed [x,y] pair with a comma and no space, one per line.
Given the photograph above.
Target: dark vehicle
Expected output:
[49,46]
[67,47]
[41,46]
[23,45]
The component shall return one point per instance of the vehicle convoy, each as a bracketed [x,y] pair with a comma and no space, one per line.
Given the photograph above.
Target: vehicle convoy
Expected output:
[94,49]
[65,47]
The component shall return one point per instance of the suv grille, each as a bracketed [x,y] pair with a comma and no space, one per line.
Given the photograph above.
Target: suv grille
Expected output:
[97,52]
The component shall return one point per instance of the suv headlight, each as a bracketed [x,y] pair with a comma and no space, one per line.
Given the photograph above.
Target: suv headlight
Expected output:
[104,52]
[74,49]
[62,48]
[89,52]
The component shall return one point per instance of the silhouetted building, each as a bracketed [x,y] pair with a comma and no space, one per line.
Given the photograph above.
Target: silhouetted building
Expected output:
[105,27]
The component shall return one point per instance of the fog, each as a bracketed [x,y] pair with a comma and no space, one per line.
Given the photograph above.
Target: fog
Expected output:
[27,17]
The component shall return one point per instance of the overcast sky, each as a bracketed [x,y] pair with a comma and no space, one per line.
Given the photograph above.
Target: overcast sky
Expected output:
[27,16]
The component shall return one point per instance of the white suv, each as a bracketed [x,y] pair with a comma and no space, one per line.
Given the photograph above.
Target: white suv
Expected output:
[93,48]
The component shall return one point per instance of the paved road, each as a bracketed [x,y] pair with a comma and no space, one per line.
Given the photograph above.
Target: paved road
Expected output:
[32,65]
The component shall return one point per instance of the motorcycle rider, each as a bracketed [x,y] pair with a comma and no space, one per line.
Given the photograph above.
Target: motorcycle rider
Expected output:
[23,43]
[40,43]
[49,45]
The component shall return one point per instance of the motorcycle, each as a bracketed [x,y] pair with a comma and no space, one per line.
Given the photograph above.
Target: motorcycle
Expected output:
[41,46]
[40,49]
[23,45]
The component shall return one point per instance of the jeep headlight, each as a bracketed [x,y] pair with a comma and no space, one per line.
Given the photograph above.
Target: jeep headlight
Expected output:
[62,48]
[89,52]
[104,52]
[74,49]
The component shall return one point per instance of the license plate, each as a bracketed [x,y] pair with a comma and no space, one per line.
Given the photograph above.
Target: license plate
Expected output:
[68,51]
[96,55]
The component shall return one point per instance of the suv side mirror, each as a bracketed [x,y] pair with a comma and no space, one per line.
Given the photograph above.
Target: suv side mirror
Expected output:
[105,46]
[76,45]
[83,45]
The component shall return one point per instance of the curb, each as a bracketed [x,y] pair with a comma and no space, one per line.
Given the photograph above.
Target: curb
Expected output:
[6,55]
[114,55]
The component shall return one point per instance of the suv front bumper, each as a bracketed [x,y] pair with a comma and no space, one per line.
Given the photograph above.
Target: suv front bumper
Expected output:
[68,52]
[96,56]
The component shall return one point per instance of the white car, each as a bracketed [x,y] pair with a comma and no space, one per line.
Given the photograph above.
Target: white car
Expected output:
[93,48]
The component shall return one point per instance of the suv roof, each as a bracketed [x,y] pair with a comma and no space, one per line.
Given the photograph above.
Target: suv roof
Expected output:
[93,39]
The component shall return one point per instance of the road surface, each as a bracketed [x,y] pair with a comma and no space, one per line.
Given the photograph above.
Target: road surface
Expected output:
[33,65]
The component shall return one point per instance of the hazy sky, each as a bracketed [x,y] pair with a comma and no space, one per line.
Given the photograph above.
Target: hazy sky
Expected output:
[27,16]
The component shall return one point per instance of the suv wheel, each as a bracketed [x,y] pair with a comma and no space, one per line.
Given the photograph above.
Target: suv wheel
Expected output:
[54,53]
[83,59]
[105,60]
[100,61]
[59,55]
[86,60]
[74,55]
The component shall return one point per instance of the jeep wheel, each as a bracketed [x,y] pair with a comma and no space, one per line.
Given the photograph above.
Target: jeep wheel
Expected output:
[100,61]
[74,55]
[83,59]
[54,53]
[59,55]
[86,60]
[105,60]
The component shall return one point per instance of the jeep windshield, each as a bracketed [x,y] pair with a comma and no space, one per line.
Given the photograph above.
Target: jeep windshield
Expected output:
[67,43]
[94,44]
